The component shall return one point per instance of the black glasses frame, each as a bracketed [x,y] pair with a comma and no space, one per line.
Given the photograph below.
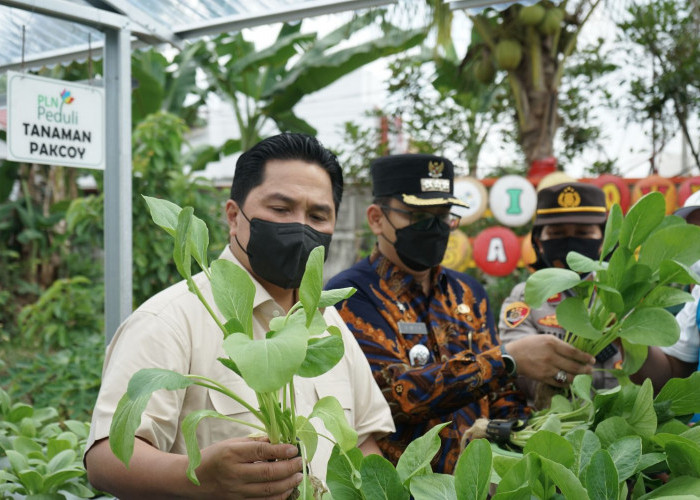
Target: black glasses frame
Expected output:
[450,218]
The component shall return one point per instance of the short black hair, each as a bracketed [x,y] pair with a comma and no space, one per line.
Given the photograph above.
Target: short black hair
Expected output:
[250,165]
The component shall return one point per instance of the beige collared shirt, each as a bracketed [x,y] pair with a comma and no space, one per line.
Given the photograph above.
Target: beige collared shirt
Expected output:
[173,330]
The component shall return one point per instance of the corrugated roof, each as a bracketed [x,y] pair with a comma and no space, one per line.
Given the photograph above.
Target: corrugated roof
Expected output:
[48,39]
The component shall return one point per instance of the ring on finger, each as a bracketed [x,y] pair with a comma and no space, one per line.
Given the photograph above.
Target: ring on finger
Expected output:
[561,376]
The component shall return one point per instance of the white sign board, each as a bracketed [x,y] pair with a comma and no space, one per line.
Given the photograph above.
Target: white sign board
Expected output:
[54,122]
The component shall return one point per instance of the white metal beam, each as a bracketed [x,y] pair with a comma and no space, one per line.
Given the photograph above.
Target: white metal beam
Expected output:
[77,13]
[117,180]
[477,4]
[74,53]
[306,9]
[142,18]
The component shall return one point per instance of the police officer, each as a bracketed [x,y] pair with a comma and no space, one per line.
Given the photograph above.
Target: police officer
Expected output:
[570,217]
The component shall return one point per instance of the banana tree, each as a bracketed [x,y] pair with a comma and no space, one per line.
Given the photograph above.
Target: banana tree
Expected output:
[264,85]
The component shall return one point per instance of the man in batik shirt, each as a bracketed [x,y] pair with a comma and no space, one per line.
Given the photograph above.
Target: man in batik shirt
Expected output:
[428,332]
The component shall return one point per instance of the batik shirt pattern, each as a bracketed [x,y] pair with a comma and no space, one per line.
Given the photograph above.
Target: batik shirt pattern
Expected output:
[464,378]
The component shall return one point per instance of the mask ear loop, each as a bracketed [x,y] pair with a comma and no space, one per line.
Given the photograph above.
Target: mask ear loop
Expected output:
[386,216]
[236,236]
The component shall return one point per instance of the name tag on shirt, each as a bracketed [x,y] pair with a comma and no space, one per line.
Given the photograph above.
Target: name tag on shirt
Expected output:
[406,328]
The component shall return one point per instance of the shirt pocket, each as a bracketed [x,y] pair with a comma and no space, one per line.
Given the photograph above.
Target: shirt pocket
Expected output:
[218,429]
[340,389]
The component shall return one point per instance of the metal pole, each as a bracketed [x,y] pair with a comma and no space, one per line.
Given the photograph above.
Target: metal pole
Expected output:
[117,179]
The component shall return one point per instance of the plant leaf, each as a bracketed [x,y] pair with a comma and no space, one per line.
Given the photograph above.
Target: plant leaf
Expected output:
[322,354]
[613,428]
[306,433]
[473,471]
[625,454]
[59,479]
[671,271]
[234,293]
[181,250]
[547,282]
[552,446]
[127,416]
[164,213]
[635,355]
[343,479]
[62,460]
[584,444]
[519,479]
[677,488]
[612,230]
[641,220]
[380,481]
[582,264]
[602,481]
[433,487]
[684,395]
[332,297]
[650,326]
[683,458]
[419,453]
[680,243]
[32,481]
[329,410]
[572,315]
[278,357]
[312,283]
[666,296]
[189,431]
[565,480]
[643,417]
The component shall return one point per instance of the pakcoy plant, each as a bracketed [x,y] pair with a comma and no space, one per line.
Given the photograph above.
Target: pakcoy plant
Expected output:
[625,298]
[40,454]
[615,444]
[296,345]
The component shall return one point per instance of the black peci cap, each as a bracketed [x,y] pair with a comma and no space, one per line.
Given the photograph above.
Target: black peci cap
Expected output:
[571,202]
[415,179]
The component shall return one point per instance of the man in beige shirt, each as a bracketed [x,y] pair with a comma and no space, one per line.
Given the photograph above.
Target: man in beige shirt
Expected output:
[284,200]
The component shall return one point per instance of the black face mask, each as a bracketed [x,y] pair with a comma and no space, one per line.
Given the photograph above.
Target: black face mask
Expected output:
[277,251]
[422,246]
[558,248]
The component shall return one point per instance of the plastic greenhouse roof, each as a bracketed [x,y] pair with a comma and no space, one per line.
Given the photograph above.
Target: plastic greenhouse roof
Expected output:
[48,33]
[50,38]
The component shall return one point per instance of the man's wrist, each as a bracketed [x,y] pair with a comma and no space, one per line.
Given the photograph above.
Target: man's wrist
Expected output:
[509,364]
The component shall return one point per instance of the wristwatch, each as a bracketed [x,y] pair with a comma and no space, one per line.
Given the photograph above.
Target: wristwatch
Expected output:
[508,361]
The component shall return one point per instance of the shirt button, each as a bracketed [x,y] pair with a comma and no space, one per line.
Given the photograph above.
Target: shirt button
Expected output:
[275,313]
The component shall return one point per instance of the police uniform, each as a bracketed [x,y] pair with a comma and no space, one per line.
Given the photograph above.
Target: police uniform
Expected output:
[517,320]
[565,203]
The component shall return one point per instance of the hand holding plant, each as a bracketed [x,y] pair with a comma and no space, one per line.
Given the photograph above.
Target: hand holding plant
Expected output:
[298,344]
[628,295]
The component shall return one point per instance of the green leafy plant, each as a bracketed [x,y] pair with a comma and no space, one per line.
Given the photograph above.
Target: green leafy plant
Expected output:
[66,379]
[295,345]
[41,457]
[615,444]
[627,296]
[64,314]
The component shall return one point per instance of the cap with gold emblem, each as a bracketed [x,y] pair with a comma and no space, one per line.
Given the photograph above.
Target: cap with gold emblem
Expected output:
[570,202]
[415,179]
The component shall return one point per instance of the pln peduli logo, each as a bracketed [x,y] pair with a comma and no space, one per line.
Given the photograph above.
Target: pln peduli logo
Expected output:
[66,98]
